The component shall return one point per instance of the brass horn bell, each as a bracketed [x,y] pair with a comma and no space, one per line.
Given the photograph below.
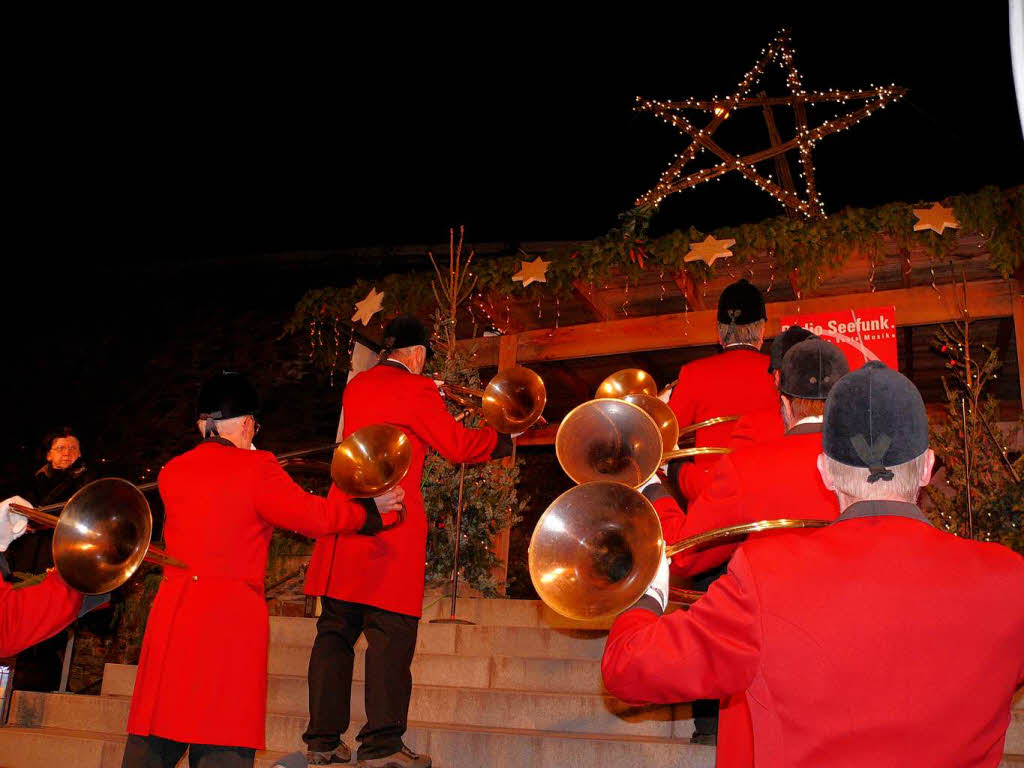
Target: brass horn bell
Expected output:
[597,547]
[511,403]
[102,536]
[371,461]
[628,381]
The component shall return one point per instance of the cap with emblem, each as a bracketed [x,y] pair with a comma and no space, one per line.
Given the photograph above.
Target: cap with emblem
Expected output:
[227,396]
[740,304]
[406,331]
[784,342]
[875,418]
[811,368]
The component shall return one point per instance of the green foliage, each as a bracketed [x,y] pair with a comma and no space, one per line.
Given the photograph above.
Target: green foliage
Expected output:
[810,247]
[490,503]
[997,499]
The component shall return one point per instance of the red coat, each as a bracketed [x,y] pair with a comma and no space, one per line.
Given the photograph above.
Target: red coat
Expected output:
[732,383]
[33,614]
[766,481]
[387,570]
[202,675]
[758,427]
[878,641]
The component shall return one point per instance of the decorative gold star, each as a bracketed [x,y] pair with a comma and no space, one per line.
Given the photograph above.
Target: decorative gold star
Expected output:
[368,307]
[935,218]
[532,271]
[709,250]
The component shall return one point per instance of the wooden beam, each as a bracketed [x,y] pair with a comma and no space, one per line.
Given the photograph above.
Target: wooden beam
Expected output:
[584,294]
[914,306]
[1018,332]
[508,348]
[781,161]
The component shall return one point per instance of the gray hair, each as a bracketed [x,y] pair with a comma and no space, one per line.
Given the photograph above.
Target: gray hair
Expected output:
[853,481]
[748,333]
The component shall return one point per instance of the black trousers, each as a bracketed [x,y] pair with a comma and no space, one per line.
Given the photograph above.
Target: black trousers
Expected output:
[705,711]
[391,642]
[155,752]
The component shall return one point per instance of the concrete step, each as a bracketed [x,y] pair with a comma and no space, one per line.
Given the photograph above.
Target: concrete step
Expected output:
[499,672]
[484,708]
[448,746]
[498,612]
[479,640]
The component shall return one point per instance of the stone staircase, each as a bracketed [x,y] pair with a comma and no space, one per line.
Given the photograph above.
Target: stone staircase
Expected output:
[521,687]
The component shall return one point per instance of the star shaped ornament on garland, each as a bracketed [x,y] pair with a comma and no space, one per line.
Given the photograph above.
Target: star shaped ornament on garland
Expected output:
[709,250]
[368,307]
[532,272]
[935,218]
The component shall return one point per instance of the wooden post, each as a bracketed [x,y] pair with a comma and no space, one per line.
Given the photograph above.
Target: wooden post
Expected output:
[508,350]
[1018,333]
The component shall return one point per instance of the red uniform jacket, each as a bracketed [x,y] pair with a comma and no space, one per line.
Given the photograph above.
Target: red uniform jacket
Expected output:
[758,427]
[386,570]
[732,383]
[202,675]
[878,641]
[766,481]
[33,614]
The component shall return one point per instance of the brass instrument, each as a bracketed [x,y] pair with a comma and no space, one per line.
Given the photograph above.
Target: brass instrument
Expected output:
[611,439]
[598,546]
[628,381]
[101,536]
[512,402]
[372,461]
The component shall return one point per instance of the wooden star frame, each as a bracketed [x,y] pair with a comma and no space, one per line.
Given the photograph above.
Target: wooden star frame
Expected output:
[779,51]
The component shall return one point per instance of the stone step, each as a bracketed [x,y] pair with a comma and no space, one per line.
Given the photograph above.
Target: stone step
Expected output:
[533,642]
[499,612]
[485,708]
[448,746]
[500,672]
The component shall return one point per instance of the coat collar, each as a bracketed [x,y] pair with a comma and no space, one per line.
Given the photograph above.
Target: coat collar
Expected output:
[805,428]
[389,363]
[219,440]
[732,347]
[883,509]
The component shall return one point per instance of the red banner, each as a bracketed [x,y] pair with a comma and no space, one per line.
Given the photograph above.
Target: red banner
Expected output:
[862,335]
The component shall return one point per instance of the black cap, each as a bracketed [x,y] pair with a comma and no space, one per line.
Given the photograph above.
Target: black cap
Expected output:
[741,303]
[811,368]
[782,343]
[406,331]
[227,396]
[875,418]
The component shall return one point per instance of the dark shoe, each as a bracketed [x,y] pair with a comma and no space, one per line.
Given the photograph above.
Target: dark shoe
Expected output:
[708,739]
[405,758]
[340,756]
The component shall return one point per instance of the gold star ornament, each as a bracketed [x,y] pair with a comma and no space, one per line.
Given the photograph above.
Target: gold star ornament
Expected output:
[709,250]
[368,307]
[532,272]
[935,218]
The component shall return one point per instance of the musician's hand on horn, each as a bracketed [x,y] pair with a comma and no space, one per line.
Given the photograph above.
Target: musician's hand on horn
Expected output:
[659,587]
[12,525]
[390,505]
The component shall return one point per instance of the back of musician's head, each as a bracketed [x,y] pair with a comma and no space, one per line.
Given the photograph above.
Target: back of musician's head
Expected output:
[741,315]
[875,437]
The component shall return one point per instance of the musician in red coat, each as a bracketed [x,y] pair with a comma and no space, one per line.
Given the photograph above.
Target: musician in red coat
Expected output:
[732,383]
[32,614]
[202,676]
[856,644]
[375,587]
[745,487]
[766,424]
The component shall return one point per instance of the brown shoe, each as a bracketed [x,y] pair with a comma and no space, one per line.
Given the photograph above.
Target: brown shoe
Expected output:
[405,758]
[342,755]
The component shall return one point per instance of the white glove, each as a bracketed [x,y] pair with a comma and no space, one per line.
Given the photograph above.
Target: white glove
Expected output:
[664,467]
[659,587]
[655,480]
[12,525]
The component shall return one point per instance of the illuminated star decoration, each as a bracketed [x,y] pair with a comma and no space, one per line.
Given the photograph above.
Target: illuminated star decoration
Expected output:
[935,218]
[709,250]
[673,179]
[368,307]
[532,271]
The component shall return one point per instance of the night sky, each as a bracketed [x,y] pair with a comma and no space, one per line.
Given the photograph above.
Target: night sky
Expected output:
[149,147]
